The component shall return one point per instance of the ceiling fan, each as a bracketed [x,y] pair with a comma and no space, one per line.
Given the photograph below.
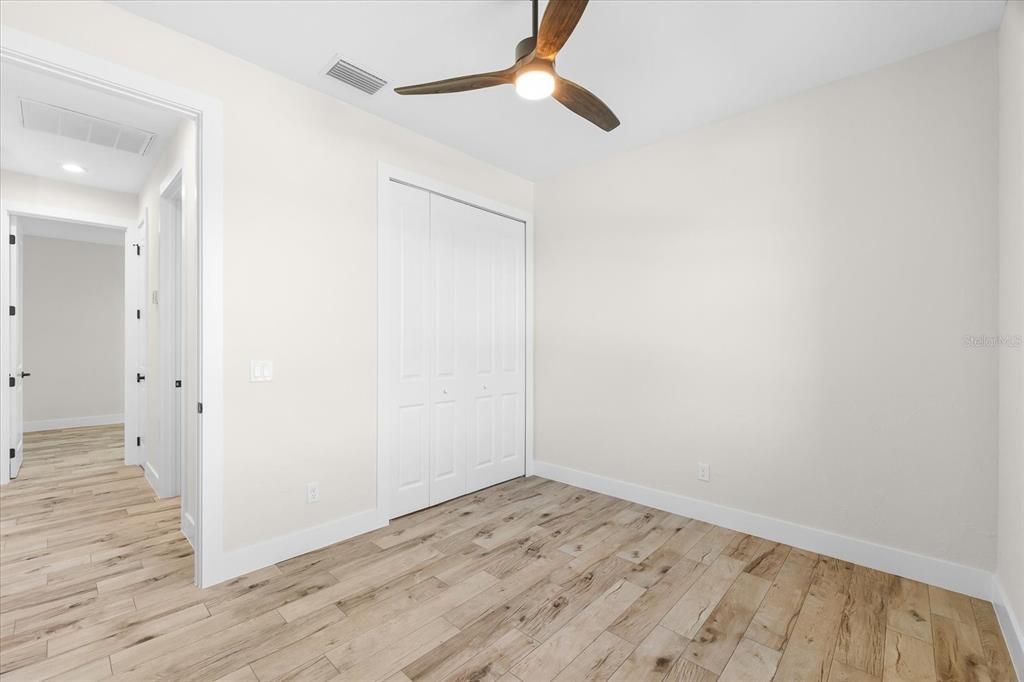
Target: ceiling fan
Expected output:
[533,73]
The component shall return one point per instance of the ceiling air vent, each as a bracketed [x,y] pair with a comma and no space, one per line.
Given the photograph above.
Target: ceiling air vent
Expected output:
[356,77]
[48,118]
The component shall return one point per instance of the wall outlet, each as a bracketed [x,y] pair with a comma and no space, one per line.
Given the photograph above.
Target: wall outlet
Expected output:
[703,471]
[312,492]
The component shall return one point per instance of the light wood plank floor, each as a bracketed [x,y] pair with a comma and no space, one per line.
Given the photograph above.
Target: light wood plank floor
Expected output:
[529,580]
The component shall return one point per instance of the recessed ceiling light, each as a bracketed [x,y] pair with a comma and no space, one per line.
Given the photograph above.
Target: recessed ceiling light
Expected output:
[72,168]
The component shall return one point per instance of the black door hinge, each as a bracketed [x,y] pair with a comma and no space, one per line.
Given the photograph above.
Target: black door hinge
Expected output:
[200,408]
[138,249]
[138,314]
[10,381]
[12,453]
[139,377]
[177,383]
[11,240]
[11,310]
[138,441]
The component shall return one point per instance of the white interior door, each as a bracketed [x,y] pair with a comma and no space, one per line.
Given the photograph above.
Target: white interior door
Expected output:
[170,375]
[497,425]
[453,346]
[17,363]
[451,362]
[404,419]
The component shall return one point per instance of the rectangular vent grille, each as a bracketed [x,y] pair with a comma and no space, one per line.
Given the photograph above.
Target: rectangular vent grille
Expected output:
[356,77]
[48,118]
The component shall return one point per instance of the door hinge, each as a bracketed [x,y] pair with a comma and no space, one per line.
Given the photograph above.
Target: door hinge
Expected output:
[138,314]
[177,383]
[139,377]
[11,240]
[138,441]
[12,453]
[200,408]
[11,310]
[138,249]
[10,381]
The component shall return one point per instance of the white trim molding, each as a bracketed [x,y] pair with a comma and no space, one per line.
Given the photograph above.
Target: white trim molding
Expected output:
[247,559]
[1010,624]
[975,582]
[74,422]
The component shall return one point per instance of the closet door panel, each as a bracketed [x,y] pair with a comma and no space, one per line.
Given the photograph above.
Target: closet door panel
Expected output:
[498,428]
[405,418]
[450,226]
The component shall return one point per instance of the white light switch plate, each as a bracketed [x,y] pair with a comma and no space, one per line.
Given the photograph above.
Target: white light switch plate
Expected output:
[261,370]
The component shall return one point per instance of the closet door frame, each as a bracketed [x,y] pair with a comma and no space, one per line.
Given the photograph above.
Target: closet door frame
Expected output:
[387,173]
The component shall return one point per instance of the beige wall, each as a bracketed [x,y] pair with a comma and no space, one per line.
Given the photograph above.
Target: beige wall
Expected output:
[300,263]
[74,329]
[1011,306]
[784,295]
[67,196]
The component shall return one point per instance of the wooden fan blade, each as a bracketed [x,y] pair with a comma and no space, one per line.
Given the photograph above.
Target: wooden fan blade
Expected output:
[460,83]
[582,102]
[560,19]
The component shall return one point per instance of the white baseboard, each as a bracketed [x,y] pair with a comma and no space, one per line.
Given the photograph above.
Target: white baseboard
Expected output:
[1013,633]
[233,563]
[73,422]
[968,580]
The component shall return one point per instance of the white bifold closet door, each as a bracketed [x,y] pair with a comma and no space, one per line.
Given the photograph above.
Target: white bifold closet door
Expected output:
[454,345]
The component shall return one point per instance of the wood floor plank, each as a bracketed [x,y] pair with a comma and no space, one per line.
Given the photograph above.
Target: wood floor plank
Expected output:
[992,643]
[721,633]
[696,605]
[862,626]
[809,652]
[527,580]
[958,652]
[842,672]
[907,609]
[599,661]
[907,659]
[751,662]
[545,662]
[646,612]
[653,658]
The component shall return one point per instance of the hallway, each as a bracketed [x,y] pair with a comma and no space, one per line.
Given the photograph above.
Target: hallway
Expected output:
[84,544]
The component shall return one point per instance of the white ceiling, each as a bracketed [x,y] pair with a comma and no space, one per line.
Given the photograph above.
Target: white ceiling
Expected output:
[39,153]
[662,66]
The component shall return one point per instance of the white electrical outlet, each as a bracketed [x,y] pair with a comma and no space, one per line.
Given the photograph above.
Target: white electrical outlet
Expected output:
[703,471]
[312,492]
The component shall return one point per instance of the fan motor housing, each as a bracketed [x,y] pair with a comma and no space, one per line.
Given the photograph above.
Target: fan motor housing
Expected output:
[525,47]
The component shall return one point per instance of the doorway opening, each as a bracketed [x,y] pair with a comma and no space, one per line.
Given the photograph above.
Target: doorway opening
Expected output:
[90,173]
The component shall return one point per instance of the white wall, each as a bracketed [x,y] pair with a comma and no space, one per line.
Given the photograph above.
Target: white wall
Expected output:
[67,197]
[784,295]
[300,264]
[73,332]
[1010,568]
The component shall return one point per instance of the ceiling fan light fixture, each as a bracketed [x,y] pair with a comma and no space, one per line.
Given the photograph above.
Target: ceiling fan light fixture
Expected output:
[535,83]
